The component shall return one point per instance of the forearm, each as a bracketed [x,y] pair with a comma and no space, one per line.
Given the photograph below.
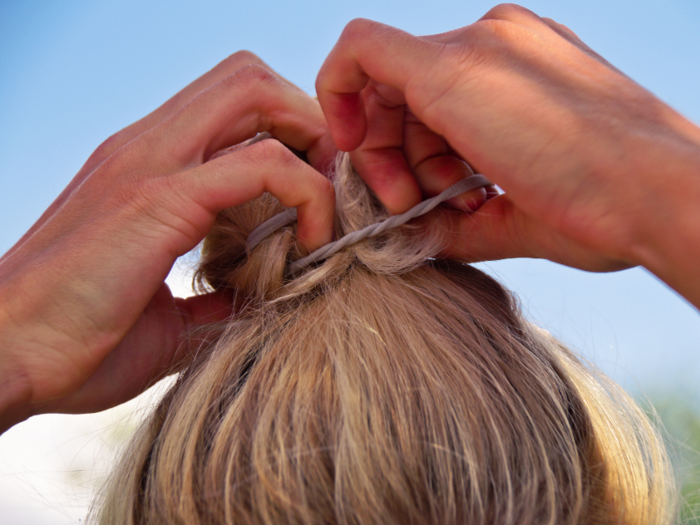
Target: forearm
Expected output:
[673,252]
[669,246]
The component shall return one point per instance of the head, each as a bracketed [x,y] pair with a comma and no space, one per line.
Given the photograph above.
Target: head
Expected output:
[382,386]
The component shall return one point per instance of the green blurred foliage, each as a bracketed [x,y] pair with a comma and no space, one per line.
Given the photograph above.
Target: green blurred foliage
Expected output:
[680,417]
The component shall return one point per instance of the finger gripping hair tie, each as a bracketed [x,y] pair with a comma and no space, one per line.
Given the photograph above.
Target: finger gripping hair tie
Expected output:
[289,216]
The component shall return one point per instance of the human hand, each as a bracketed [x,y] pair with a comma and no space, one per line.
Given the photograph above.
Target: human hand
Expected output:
[582,152]
[86,320]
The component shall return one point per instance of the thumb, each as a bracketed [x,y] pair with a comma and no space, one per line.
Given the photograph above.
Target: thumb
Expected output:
[501,230]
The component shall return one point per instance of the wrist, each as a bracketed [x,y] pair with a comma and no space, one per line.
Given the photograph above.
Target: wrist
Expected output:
[668,241]
[16,391]
[14,402]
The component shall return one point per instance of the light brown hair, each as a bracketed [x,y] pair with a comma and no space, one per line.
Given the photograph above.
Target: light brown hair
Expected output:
[382,387]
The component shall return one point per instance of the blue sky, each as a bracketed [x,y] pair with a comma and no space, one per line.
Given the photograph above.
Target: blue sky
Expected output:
[72,73]
[75,72]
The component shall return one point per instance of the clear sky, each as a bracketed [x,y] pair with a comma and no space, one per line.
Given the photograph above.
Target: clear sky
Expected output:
[72,73]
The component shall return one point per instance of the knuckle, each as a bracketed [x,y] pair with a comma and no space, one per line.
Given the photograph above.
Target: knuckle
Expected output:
[113,165]
[325,187]
[322,189]
[560,27]
[110,142]
[357,28]
[283,159]
[508,11]
[237,60]
[274,152]
[250,76]
[322,185]
[244,57]
[481,44]
[104,150]
[495,35]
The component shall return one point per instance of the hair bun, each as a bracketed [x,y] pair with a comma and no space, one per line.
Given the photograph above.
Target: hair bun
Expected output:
[261,274]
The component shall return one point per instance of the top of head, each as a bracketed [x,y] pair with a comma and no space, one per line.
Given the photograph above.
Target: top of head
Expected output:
[260,274]
[382,387]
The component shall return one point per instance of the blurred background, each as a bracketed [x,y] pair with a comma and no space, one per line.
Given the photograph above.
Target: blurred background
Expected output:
[74,72]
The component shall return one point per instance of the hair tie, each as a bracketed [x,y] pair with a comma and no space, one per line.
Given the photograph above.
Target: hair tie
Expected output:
[289,216]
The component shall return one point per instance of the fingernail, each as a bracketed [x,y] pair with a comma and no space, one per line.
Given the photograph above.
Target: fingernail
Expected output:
[469,202]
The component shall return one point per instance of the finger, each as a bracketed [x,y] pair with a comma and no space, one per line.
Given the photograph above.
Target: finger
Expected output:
[515,18]
[380,160]
[435,166]
[147,229]
[169,108]
[222,70]
[153,348]
[524,17]
[227,112]
[251,100]
[205,309]
[516,14]
[321,157]
[491,233]
[322,153]
[367,50]
[499,230]
[503,21]
[562,31]
[266,166]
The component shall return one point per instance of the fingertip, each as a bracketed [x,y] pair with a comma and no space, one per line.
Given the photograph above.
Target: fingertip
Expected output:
[386,172]
[315,220]
[311,237]
[207,308]
[405,196]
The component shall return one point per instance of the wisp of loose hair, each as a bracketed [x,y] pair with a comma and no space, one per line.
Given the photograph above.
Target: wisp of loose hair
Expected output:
[381,386]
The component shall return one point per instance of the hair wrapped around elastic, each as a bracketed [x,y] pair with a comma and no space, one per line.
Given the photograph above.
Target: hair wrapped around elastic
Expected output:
[382,387]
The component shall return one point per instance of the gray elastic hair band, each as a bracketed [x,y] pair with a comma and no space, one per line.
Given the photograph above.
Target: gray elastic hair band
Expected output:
[290,215]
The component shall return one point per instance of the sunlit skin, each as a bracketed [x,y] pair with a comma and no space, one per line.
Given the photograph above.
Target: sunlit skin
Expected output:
[598,174]
[86,320]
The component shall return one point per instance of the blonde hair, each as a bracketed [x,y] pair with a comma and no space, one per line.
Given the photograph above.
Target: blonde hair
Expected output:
[382,387]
